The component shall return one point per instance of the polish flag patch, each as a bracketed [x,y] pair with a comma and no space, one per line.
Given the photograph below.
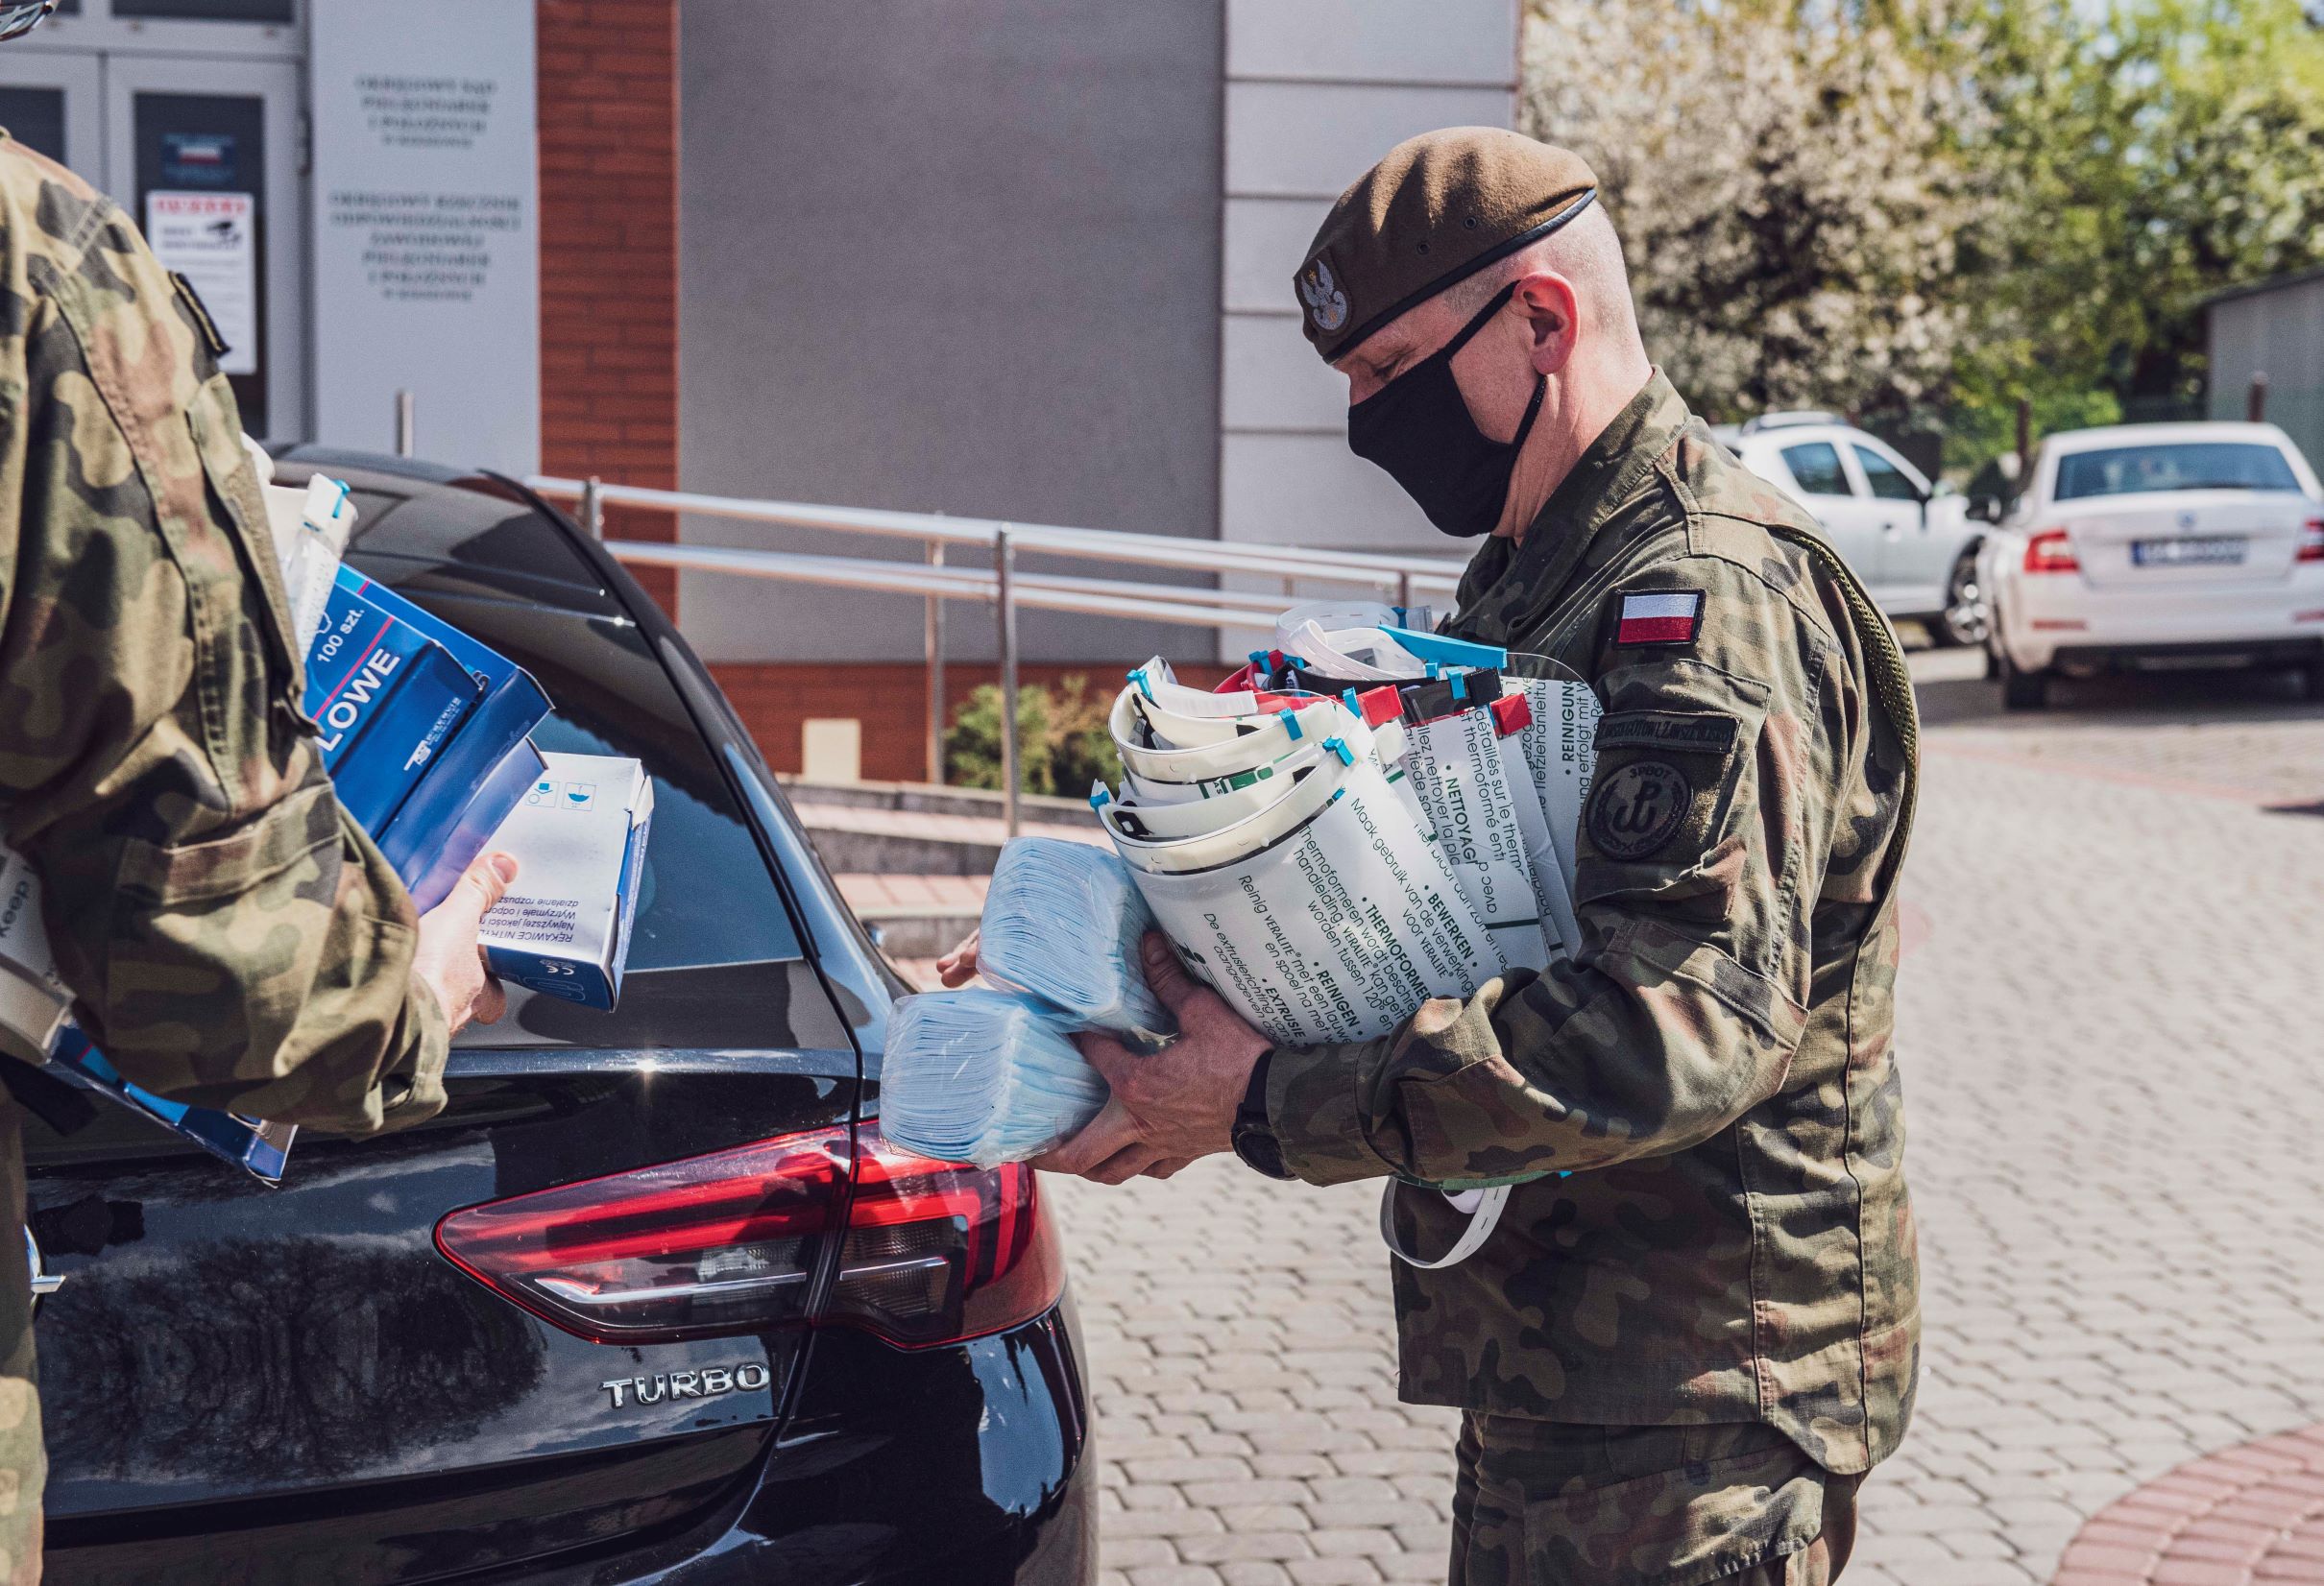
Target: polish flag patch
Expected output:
[1665,616]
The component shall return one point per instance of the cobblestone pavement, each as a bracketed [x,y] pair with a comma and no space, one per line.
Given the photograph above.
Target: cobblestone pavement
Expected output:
[2109,1022]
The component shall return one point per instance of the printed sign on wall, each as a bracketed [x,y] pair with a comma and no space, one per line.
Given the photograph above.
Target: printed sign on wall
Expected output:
[427,231]
[209,239]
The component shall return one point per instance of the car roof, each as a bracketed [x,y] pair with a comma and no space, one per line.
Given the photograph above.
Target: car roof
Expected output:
[2159,434]
[475,533]
[1792,418]
[1792,435]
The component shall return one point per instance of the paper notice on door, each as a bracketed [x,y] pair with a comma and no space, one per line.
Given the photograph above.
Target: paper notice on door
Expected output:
[211,239]
[1326,917]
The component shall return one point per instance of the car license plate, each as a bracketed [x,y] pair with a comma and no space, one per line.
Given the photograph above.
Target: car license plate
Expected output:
[2210,551]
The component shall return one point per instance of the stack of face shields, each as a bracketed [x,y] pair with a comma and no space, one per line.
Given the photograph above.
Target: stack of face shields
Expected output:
[983,1077]
[1064,923]
[1365,816]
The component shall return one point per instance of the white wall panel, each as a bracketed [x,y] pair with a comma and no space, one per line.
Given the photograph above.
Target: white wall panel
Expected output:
[1310,490]
[1462,41]
[1317,91]
[1273,379]
[1312,139]
[1266,242]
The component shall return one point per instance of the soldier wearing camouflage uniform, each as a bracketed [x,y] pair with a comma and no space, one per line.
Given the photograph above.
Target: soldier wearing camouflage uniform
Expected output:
[231,936]
[1675,1363]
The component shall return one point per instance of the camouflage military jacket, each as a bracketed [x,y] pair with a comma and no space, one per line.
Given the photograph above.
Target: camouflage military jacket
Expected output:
[1715,1067]
[231,936]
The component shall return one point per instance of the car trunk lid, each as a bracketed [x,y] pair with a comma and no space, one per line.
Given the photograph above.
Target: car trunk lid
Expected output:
[294,1383]
[2170,540]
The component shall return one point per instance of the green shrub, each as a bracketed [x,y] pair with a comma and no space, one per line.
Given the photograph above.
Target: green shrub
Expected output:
[1063,744]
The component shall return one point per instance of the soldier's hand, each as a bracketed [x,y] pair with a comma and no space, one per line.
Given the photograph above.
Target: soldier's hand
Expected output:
[448,961]
[958,967]
[1171,1106]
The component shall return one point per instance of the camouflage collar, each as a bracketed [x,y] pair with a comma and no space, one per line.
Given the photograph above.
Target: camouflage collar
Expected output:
[1507,587]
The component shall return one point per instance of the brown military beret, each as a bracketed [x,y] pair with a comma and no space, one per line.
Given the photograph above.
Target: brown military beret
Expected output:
[1439,207]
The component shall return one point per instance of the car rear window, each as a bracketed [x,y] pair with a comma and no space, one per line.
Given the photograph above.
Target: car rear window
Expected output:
[2176,466]
[1816,466]
[708,896]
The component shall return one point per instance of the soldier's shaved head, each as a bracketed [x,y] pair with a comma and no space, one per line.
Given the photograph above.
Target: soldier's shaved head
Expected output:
[1588,253]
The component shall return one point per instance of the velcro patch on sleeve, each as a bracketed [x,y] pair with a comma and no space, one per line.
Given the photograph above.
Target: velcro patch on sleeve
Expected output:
[1660,616]
[204,323]
[1670,730]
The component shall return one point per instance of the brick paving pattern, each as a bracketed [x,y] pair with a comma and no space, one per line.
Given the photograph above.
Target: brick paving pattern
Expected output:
[2253,1514]
[2109,1023]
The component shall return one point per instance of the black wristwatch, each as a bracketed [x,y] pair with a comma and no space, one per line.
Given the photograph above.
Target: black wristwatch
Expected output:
[1254,1139]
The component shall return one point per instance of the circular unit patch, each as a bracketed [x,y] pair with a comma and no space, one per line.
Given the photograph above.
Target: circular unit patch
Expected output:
[1637,809]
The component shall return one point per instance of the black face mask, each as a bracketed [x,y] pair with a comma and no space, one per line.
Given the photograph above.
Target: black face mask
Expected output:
[1419,428]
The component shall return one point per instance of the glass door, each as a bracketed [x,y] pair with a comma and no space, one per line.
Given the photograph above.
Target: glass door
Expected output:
[53,104]
[202,154]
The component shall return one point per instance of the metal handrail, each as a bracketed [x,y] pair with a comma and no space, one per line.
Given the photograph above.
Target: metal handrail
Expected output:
[1004,584]
[1049,591]
[1403,573]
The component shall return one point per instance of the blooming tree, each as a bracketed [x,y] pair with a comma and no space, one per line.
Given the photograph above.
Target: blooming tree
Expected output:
[1786,183]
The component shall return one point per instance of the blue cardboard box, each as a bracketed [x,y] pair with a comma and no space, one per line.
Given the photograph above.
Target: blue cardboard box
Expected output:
[259,1148]
[386,697]
[470,780]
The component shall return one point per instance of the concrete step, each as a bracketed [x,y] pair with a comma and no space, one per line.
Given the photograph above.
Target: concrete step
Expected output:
[884,838]
[915,917]
[929,799]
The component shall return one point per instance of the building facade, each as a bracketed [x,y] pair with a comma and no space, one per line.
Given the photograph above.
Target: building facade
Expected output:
[1027,262]
[2274,330]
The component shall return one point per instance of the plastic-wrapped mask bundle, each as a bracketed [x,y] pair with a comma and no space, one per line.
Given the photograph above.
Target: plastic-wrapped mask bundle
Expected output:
[1063,920]
[983,1077]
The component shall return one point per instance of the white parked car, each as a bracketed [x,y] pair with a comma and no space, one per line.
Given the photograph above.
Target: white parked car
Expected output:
[1912,542]
[2155,546]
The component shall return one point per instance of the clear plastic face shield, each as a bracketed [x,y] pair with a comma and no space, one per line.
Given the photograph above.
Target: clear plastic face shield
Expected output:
[18,19]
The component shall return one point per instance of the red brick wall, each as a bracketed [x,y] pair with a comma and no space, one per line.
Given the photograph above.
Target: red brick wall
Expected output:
[609,253]
[890,699]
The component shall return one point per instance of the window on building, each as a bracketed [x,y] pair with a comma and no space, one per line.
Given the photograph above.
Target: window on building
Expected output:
[1888,482]
[35,117]
[209,10]
[1816,466]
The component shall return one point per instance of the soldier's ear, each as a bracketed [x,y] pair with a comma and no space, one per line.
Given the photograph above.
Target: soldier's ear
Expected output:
[1551,309]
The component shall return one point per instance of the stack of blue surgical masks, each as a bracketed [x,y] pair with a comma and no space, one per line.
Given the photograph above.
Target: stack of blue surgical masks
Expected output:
[1064,922]
[983,1077]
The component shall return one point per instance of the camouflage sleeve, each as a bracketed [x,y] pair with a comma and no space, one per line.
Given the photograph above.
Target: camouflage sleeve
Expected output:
[1706,826]
[231,936]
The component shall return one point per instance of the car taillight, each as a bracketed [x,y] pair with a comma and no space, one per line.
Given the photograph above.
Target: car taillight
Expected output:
[2311,541]
[2051,552]
[930,1252]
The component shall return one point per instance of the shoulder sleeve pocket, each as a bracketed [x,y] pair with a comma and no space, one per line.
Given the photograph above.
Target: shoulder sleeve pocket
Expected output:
[242,861]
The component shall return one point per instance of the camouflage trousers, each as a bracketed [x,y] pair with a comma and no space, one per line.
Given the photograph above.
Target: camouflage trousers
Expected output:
[1545,1504]
[23,1463]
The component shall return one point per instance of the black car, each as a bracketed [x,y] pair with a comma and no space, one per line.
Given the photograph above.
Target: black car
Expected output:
[649,1300]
